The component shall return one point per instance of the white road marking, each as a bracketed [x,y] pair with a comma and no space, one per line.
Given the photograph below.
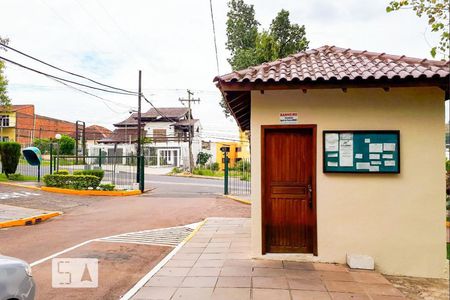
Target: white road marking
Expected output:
[11,195]
[111,239]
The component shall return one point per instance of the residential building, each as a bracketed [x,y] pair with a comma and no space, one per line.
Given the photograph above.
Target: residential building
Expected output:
[165,139]
[94,133]
[326,175]
[21,124]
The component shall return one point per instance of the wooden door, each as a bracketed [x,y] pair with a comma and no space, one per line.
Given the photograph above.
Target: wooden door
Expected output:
[288,169]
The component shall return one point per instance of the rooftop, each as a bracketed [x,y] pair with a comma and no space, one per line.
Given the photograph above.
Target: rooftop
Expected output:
[329,67]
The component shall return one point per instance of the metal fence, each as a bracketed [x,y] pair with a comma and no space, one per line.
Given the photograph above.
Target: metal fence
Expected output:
[119,170]
[239,177]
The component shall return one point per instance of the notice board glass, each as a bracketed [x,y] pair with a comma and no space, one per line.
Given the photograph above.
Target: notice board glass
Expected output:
[361,151]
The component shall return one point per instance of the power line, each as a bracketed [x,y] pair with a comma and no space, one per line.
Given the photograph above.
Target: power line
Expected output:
[157,110]
[62,79]
[214,33]
[68,72]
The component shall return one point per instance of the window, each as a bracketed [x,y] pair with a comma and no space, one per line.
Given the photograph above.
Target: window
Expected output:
[159,135]
[4,121]
[238,149]
[4,139]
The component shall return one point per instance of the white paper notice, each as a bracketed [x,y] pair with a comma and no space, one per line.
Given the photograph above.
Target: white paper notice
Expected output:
[374,169]
[378,148]
[332,155]
[346,152]
[362,166]
[374,156]
[332,164]
[358,156]
[389,163]
[389,147]
[388,156]
[346,136]
[367,141]
[331,142]
[374,163]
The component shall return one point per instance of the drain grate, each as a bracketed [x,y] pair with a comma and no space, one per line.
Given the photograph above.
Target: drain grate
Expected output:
[162,237]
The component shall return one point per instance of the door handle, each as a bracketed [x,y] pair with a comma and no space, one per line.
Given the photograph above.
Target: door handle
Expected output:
[310,191]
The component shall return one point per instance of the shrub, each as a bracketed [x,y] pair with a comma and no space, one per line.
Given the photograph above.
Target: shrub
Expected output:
[78,182]
[16,177]
[10,155]
[42,144]
[447,165]
[107,187]
[242,165]
[61,172]
[176,170]
[213,166]
[97,173]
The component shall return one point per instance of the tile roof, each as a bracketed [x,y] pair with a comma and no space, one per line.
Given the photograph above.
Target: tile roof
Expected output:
[185,122]
[331,63]
[96,132]
[130,121]
[122,135]
[169,112]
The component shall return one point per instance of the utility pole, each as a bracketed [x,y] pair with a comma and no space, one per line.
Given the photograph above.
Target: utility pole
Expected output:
[191,131]
[139,130]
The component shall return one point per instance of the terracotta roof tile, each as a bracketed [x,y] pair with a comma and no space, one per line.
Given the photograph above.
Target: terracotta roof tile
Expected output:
[334,63]
[169,112]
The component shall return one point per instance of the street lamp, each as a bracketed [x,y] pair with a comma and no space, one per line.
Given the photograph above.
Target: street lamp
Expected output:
[57,137]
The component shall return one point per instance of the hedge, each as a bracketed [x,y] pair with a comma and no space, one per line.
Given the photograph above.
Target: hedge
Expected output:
[10,155]
[77,182]
[97,173]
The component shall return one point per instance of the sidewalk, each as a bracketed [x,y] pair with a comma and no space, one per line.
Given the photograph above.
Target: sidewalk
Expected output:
[216,264]
[19,216]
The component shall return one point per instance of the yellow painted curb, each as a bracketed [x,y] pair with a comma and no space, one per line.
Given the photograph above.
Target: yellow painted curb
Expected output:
[30,220]
[191,235]
[90,192]
[20,185]
[239,199]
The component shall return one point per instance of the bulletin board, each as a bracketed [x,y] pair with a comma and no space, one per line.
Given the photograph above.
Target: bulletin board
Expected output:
[357,151]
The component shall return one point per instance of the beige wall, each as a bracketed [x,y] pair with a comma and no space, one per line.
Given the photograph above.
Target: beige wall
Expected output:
[399,219]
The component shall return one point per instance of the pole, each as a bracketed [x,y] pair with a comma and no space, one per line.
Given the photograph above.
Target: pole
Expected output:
[39,172]
[225,177]
[51,158]
[138,177]
[190,126]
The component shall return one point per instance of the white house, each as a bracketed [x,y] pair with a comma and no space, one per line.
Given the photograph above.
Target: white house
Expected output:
[165,134]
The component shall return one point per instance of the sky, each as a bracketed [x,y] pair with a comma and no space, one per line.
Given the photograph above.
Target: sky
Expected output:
[172,43]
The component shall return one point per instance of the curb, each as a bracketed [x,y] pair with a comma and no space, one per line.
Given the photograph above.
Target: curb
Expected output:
[90,192]
[238,199]
[30,220]
[196,176]
[21,185]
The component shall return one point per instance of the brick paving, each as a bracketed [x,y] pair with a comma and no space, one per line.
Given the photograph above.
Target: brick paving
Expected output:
[216,264]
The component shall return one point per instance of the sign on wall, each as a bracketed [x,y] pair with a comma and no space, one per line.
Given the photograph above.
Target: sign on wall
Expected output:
[288,117]
[369,151]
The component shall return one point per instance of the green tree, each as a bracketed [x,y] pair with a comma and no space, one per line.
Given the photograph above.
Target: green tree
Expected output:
[10,155]
[249,47]
[4,99]
[42,144]
[437,12]
[202,158]
[290,38]
[66,145]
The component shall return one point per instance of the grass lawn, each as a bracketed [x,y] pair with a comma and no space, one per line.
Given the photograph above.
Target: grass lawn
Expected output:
[23,178]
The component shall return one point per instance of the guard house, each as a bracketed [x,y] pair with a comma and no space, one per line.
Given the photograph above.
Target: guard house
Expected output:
[348,153]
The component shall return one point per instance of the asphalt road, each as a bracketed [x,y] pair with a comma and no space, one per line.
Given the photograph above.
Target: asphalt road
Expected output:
[176,203]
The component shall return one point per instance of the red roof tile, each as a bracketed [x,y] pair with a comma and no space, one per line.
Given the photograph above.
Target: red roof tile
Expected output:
[168,112]
[333,63]
[96,132]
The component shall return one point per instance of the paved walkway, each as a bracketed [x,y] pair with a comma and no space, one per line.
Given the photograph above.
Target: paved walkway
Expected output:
[216,264]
